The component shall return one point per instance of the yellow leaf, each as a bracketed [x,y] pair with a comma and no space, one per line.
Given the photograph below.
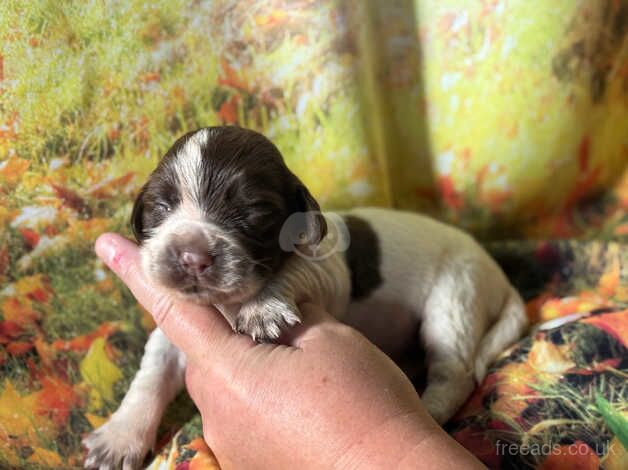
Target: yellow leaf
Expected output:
[514,382]
[9,454]
[27,284]
[609,282]
[45,457]
[100,372]
[616,457]
[5,216]
[19,310]
[95,420]
[17,416]
[547,357]
[31,180]
[204,458]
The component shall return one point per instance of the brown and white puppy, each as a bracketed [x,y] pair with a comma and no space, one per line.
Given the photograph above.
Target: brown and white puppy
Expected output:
[223,221]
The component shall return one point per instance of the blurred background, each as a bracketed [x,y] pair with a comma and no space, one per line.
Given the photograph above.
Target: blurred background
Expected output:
[508,118]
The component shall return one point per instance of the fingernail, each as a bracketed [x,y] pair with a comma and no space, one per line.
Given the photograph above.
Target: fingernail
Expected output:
[106,249]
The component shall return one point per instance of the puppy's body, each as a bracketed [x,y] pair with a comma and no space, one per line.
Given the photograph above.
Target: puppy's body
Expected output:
[392,275]
[435,278]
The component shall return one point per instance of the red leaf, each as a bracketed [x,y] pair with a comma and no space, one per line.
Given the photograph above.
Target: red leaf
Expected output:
[56,399]
[598,367]
[71,199]
[18,348]
[83,342]
[148,77]
[39,295]
[30,237]
[4,260]
[51,231]
[452,198]
[576,456]
[231,78]
[615,324]
[9,330]
[584,186]
[229,111]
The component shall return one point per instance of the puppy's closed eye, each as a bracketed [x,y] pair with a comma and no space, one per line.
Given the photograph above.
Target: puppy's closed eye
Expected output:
[158,210]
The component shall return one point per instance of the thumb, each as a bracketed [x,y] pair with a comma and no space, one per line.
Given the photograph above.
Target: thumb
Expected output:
[194,329]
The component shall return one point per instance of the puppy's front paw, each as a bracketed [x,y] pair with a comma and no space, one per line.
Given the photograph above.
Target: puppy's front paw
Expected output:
[264,320]
[117,443]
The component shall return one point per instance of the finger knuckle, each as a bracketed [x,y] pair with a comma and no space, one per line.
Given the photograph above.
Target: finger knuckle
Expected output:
[346,334]
[125,268]
[162,308]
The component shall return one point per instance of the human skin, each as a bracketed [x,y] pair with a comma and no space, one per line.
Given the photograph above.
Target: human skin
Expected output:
[324,398]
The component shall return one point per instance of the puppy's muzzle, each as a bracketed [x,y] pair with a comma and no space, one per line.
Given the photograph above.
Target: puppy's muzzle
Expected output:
[192,253]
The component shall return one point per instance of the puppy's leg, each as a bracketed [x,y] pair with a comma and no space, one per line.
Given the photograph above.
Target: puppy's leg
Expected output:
[450,333]
[266,316]
[130,432]
[509,326]
[274,309]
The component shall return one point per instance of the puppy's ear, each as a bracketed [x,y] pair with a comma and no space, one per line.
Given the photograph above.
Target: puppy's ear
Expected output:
[315,224]
[137,216]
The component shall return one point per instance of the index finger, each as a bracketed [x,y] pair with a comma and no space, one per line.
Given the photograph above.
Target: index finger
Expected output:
[191,327]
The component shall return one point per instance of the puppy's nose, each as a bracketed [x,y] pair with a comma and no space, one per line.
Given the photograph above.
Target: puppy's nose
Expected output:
[195,262]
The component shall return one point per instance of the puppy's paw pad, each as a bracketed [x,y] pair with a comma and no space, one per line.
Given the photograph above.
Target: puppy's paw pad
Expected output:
[115,444]
[264,321]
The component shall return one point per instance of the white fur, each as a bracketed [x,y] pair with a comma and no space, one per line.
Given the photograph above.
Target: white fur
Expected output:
[130,432]
[188,165]
[439,276]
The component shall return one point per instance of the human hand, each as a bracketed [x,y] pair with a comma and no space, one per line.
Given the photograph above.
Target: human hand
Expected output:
[324,398]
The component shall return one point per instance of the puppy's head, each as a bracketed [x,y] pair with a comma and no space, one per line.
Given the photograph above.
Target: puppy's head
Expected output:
[209,217]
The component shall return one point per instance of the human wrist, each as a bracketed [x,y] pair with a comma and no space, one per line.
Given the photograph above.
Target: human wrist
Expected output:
[388,444]
[411,441]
